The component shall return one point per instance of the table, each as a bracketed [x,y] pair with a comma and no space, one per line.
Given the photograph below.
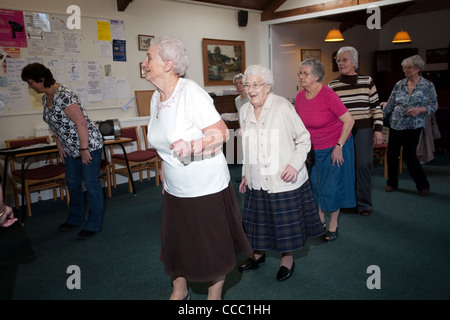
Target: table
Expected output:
[44,148]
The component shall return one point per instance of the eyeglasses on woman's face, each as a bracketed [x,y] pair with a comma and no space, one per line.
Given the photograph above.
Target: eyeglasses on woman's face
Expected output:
[254,86]
[304,73]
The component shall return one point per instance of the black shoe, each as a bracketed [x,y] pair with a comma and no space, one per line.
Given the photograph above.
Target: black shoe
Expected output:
[66,227]
[85,234]
[251,264]
[284,273]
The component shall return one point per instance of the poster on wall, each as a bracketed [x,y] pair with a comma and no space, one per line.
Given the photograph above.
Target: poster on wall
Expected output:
[12,29]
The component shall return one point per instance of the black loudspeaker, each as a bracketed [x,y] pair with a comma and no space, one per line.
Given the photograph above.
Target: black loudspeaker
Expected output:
[242,18]
[109,129]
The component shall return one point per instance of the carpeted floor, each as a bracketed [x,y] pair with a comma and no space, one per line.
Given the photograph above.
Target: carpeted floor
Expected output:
[407,238]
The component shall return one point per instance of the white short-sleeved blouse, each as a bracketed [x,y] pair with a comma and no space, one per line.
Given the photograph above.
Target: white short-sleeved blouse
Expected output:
[183,116]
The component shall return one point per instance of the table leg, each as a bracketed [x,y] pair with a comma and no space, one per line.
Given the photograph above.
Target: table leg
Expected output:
[128,168]
[23,213]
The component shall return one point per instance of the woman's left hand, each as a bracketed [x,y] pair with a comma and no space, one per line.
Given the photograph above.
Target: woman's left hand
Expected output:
[289,174]
[86,157]
[336,156]
[413,112]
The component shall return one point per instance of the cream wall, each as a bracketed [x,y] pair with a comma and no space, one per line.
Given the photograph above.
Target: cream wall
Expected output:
[185,21]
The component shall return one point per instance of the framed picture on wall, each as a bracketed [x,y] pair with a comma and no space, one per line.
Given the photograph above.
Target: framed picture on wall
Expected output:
[142,71]
[437,55]
[310,53]
[144,41]
[222,60]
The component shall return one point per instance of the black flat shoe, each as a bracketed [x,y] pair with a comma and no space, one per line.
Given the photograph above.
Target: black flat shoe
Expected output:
[85,234]
[251,264]
[284,273]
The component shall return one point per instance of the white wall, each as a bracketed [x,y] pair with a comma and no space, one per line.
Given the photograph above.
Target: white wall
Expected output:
[185,21]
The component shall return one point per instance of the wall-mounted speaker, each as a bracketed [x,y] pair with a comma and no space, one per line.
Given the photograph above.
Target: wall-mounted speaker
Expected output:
[242,18]
[109,129]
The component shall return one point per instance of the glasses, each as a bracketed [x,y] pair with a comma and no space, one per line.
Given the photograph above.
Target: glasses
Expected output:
[254,86]
[306,74]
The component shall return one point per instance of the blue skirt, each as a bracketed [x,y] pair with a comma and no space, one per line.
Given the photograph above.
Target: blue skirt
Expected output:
[281,221]
[333,186]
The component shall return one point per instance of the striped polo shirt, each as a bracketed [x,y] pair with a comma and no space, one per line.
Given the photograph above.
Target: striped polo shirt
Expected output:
[360,96]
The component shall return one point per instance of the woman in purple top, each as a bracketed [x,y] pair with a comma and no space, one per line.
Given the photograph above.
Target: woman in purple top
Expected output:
[329,124]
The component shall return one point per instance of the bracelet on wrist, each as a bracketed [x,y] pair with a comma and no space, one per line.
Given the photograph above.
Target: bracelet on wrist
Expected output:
[82,149]
[340,145]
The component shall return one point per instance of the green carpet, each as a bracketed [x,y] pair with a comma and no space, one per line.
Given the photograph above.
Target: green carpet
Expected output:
[407,237]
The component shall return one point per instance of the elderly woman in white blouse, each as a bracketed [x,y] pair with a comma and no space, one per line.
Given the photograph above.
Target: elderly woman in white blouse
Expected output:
[201,227]
[279,208]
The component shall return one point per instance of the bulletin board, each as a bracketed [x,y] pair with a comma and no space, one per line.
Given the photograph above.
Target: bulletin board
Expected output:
[143,100]
[89,58]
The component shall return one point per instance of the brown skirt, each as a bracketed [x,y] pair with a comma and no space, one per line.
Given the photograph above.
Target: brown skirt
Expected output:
[201,236]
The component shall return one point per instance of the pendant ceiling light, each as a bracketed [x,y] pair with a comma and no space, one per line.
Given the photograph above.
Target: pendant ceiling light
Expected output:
[401,37]
[334,36]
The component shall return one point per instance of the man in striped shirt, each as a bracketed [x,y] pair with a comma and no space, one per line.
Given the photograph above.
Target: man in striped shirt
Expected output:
[359,95]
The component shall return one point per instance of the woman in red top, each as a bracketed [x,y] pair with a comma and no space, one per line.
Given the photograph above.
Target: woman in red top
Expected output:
[329,124]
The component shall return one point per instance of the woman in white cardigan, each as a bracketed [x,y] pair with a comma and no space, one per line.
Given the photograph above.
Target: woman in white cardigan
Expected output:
[279,208]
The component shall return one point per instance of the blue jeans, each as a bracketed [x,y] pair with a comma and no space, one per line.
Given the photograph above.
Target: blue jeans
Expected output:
[76,172]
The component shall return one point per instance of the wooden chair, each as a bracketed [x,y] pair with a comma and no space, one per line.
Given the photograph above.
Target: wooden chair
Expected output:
[51,175]
[145,132]
[380,153]
[139,160]
[105,172]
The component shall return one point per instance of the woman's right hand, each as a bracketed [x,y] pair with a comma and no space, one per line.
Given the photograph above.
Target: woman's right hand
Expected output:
[243,185]
[61,151]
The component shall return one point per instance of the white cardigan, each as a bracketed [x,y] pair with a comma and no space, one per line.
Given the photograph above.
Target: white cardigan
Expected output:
[277,139]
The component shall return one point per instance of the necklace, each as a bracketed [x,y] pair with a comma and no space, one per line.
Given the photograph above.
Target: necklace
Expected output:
[170,102]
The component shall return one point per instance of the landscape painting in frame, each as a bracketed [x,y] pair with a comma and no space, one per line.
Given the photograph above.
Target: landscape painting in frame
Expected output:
[222,60]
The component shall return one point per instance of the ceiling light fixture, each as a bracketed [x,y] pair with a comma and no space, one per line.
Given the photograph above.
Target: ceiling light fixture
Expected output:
[401,37]
[334,36]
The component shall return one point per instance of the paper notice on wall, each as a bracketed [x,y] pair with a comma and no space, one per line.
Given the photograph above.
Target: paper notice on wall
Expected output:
[93,89]
[4,98]
[103,30]
[73,69]
[19,99]
[54,43]
[117,30]
[71,43]
[123,89]
[14,67]
[12,29]
[82,92]
[105,49]
[109,88]
[36,24]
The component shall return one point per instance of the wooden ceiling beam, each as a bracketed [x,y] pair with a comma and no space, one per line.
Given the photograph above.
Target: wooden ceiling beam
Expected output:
[269,11]
[336,4]
[123,4]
